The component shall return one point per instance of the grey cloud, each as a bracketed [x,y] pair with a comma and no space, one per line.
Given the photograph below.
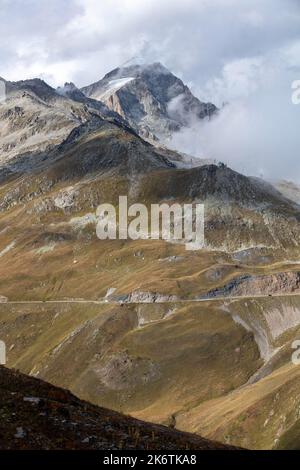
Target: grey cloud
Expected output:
[195,38]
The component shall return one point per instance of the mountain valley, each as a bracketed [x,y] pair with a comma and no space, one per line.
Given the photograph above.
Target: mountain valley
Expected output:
[200,341]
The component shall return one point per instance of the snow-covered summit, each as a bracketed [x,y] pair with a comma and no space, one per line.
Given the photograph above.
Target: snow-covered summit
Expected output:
[155,102]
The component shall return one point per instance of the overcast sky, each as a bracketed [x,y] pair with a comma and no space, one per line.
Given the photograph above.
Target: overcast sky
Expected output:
[245,52]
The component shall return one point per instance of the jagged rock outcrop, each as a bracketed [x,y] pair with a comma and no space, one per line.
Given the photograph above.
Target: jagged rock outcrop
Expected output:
[248,285]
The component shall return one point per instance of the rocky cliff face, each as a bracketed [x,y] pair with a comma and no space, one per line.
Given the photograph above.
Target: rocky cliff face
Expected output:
[46,417]
[152,99]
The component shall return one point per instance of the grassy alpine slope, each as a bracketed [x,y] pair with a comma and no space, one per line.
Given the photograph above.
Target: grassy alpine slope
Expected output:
[222,367]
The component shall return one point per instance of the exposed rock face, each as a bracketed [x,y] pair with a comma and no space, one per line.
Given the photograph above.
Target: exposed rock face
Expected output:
[120,371]
[148,297]
[247,285]
[150,98]
[69,90]
[269,319]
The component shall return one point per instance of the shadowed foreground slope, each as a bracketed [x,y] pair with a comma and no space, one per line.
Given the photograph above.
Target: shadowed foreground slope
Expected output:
[37,415]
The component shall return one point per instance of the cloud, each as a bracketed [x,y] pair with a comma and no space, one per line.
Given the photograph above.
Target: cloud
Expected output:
[195,38]
[257,132]
[245,52]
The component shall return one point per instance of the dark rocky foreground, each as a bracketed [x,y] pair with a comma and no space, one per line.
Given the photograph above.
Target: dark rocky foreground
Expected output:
[37,415]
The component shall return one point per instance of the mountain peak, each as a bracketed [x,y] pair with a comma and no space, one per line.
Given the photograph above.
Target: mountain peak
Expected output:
[136,70]
[35,85]
[136,60]
[144,94]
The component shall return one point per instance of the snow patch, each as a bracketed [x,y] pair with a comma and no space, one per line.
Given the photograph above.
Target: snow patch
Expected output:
[65,198]
[112,87]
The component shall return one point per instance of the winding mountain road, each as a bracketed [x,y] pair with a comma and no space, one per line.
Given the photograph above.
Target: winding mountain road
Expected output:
[116,302]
